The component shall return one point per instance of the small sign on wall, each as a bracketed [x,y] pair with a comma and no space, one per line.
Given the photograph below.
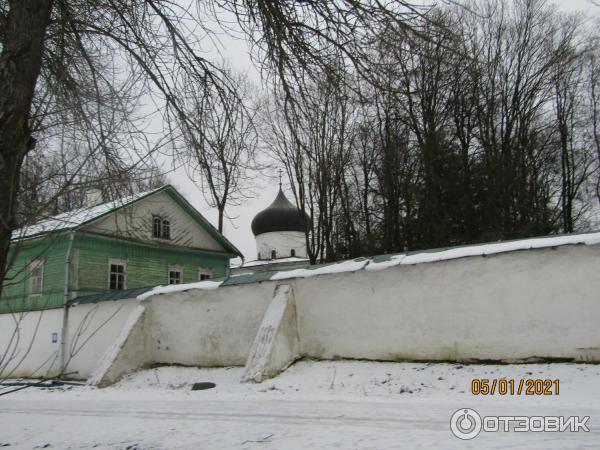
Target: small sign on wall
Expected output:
[54,337]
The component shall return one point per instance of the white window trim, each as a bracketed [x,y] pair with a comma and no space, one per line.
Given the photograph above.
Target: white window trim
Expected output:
[122,262]
[33,265]
[204,271]
[175,268]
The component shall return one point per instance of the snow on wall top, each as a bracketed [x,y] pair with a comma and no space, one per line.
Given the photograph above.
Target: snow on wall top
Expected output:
[168,289]
[386,261]
[72,219]
[264,262]
[485,249]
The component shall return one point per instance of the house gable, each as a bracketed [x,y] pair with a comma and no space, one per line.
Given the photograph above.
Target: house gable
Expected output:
[187,228]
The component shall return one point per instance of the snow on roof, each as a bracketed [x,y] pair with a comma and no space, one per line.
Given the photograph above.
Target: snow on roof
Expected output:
[386,261]
[264,262]
[72,219]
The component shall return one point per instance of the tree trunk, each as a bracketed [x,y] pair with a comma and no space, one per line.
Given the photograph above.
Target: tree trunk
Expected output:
[221,210]
[20,63]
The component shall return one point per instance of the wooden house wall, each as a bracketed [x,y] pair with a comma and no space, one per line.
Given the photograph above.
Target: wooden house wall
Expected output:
[15,293]
[146,265]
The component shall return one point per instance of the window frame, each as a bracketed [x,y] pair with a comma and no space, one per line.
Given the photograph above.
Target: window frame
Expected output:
[117,262]
[156,226]
[166,229]
[175,269]
[273,254]
[204,271]
[34,265]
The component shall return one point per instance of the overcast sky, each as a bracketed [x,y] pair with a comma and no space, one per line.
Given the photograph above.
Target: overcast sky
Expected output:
[238,230]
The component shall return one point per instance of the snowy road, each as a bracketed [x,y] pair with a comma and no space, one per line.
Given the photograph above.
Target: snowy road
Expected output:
[218,424]
[314,405]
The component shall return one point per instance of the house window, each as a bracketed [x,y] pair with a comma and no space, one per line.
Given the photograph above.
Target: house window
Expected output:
[204,274]
[117,275]
[293,253]
[36,277]
[166,229]
[273,254]
[156,227]
[175,275]
[161,228]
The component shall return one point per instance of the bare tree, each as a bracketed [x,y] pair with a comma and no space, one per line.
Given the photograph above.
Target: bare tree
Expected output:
[476,129]
[459,107]
[312,143]
[220,141]
[359,219]
[592,71]
[159,43]
[576,159]
[62,180]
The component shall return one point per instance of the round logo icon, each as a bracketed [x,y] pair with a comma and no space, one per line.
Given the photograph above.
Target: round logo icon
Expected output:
[465,424]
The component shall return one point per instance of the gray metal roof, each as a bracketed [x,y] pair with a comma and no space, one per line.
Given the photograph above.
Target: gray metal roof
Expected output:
[109,296]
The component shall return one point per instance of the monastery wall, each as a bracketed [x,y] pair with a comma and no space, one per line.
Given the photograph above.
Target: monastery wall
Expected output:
[30,341]
[511,306]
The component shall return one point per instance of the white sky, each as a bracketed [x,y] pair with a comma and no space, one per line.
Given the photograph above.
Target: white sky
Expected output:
[237,230]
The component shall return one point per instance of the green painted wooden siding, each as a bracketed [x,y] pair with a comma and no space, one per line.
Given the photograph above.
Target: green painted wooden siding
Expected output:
[15,293]
[147,265]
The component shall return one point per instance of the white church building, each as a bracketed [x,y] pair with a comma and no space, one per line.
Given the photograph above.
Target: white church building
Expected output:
[280,233]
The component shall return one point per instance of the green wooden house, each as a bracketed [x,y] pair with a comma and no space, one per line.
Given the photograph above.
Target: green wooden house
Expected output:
[149,239]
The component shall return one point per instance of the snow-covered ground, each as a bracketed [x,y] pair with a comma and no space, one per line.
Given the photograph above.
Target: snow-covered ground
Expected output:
[331,404]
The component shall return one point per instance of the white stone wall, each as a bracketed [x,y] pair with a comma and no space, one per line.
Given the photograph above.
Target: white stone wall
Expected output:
[207,327]
[26,345]
[282,242]
[510,306]
[517,305]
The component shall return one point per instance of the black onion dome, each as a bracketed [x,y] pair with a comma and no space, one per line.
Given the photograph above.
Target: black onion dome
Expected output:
[281,215]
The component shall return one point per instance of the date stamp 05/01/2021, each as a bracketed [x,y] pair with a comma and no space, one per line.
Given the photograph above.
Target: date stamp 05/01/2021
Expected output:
[524,386]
